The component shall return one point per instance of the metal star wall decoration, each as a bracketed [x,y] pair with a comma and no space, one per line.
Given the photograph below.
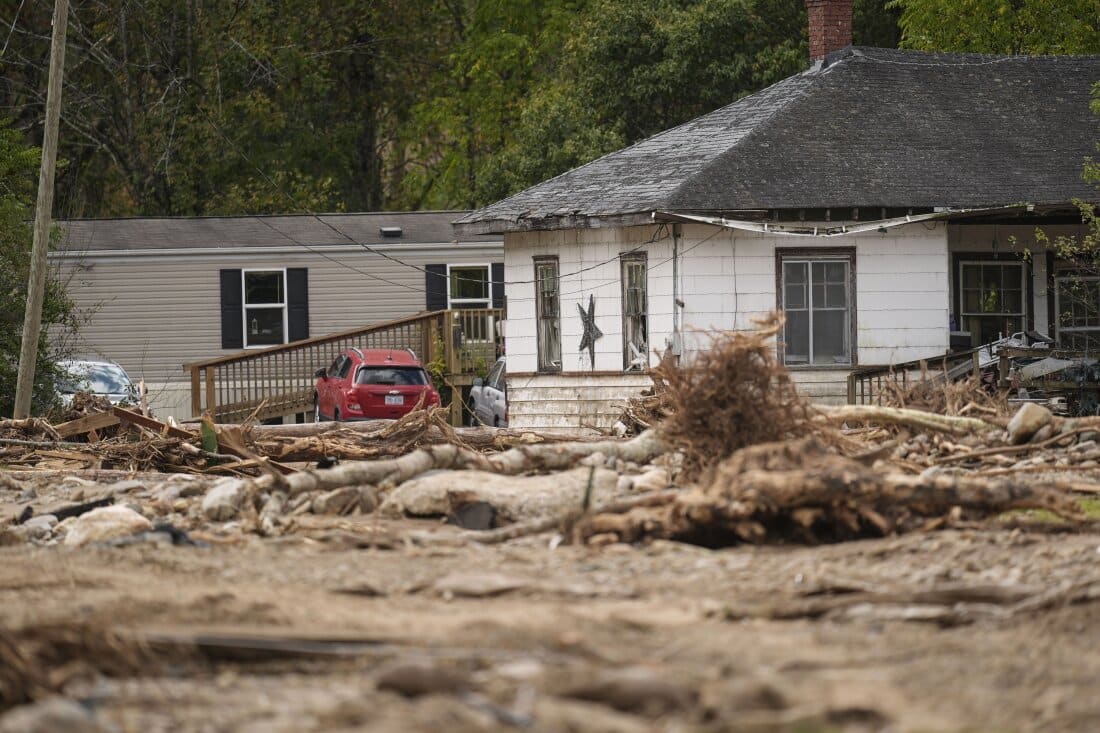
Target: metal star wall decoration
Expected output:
[590,332]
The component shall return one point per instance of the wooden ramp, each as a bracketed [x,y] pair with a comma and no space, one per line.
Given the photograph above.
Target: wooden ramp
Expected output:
[278,381]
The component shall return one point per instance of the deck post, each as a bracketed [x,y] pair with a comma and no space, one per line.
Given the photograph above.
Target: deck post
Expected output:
[196,395]
[211,394]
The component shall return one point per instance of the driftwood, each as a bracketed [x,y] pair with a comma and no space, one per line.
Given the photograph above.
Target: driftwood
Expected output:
[550,457]
[798,491]
[908,418]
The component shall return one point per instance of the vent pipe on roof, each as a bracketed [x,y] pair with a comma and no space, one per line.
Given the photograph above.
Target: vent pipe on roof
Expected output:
[830,26]
[390,231]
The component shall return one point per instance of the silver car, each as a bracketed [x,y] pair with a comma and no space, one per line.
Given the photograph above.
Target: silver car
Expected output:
[489,398]
[103,378]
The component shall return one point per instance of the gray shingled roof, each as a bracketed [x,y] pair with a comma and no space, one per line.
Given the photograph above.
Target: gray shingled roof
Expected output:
[869,128]
[226,232]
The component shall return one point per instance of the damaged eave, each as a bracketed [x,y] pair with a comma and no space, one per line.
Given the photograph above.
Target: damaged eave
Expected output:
[827,230]
[552,222]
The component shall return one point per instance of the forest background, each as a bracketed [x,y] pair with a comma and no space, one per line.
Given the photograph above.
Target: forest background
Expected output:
[193,107]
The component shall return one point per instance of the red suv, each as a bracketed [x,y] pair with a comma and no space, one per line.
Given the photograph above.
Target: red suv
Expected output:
[371,384]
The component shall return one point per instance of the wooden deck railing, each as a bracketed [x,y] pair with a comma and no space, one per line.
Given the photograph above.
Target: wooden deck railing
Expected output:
[279,381]
[867,385]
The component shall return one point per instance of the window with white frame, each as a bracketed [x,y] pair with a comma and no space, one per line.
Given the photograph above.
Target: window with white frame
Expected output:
[816,295]
[469,290]
[992,299]
[548,313]
[469,286]
[1077,303]
[264,300]
[635,312]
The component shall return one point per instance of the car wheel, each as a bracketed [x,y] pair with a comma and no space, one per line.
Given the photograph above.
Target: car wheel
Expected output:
[317,409]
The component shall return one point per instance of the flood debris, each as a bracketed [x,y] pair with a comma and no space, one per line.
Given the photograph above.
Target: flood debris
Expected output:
[730,453]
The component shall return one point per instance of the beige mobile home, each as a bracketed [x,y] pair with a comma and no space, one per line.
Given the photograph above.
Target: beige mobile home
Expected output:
[162,292]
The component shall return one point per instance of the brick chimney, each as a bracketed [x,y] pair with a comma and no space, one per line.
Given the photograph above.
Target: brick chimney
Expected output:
[830,26]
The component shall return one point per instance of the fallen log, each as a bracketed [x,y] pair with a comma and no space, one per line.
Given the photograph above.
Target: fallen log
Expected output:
[906,417]
[549,457]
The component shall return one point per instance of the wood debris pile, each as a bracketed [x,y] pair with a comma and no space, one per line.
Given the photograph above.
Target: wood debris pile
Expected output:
[737,456]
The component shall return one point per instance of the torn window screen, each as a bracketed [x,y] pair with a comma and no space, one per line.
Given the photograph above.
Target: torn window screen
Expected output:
[635,313]
[547,291]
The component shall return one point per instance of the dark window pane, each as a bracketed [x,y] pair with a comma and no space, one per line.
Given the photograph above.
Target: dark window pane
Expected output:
[830,337]
[264,326]
[972,301]
[1013,301]
[794,272]
[796,337]
[391,375]
[836,296]
[263,287]
[991,277]
[971,276]
[835,272]
[795,296]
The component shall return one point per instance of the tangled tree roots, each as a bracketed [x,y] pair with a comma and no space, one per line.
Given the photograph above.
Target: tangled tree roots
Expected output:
[935,392]
[732,395]
[797,491]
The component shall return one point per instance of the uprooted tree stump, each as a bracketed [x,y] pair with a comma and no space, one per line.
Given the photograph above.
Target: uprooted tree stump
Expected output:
[796,491]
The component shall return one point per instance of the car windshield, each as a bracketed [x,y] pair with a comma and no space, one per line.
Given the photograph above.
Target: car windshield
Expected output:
[391,375]
[98,378]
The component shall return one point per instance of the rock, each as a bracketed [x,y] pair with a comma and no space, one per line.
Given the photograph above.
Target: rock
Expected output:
[477,515]
[337,501]
[654,479]
[224,499]
[513,498]
[635,690]
[477,585]
[595,459]
[625,484]
[1043,433]
[46,521]
[415,680]
[105,523]
[53,715]
[1027,421]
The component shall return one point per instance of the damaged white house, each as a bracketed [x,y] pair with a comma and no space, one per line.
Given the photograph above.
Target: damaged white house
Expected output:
[887,201]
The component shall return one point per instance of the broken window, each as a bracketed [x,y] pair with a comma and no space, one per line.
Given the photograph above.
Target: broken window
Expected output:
[264,307]
[635,313]
[1077,303]
[815,294]
[992,299]
[547,313]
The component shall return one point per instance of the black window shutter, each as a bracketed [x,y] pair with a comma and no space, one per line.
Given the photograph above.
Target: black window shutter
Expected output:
[232,318]
[297,303]
[435,287]
[496,274]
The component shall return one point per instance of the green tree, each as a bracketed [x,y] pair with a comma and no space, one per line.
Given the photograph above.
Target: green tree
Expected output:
[1001,26]
[18,173]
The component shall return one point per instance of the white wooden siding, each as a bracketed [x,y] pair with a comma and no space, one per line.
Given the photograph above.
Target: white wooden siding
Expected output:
[727,281]
[562,401]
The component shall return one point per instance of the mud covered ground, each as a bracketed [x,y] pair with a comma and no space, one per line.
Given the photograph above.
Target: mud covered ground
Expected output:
[984,629]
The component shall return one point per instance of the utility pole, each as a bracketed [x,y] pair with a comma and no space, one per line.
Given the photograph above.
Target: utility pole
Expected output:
[36,285]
